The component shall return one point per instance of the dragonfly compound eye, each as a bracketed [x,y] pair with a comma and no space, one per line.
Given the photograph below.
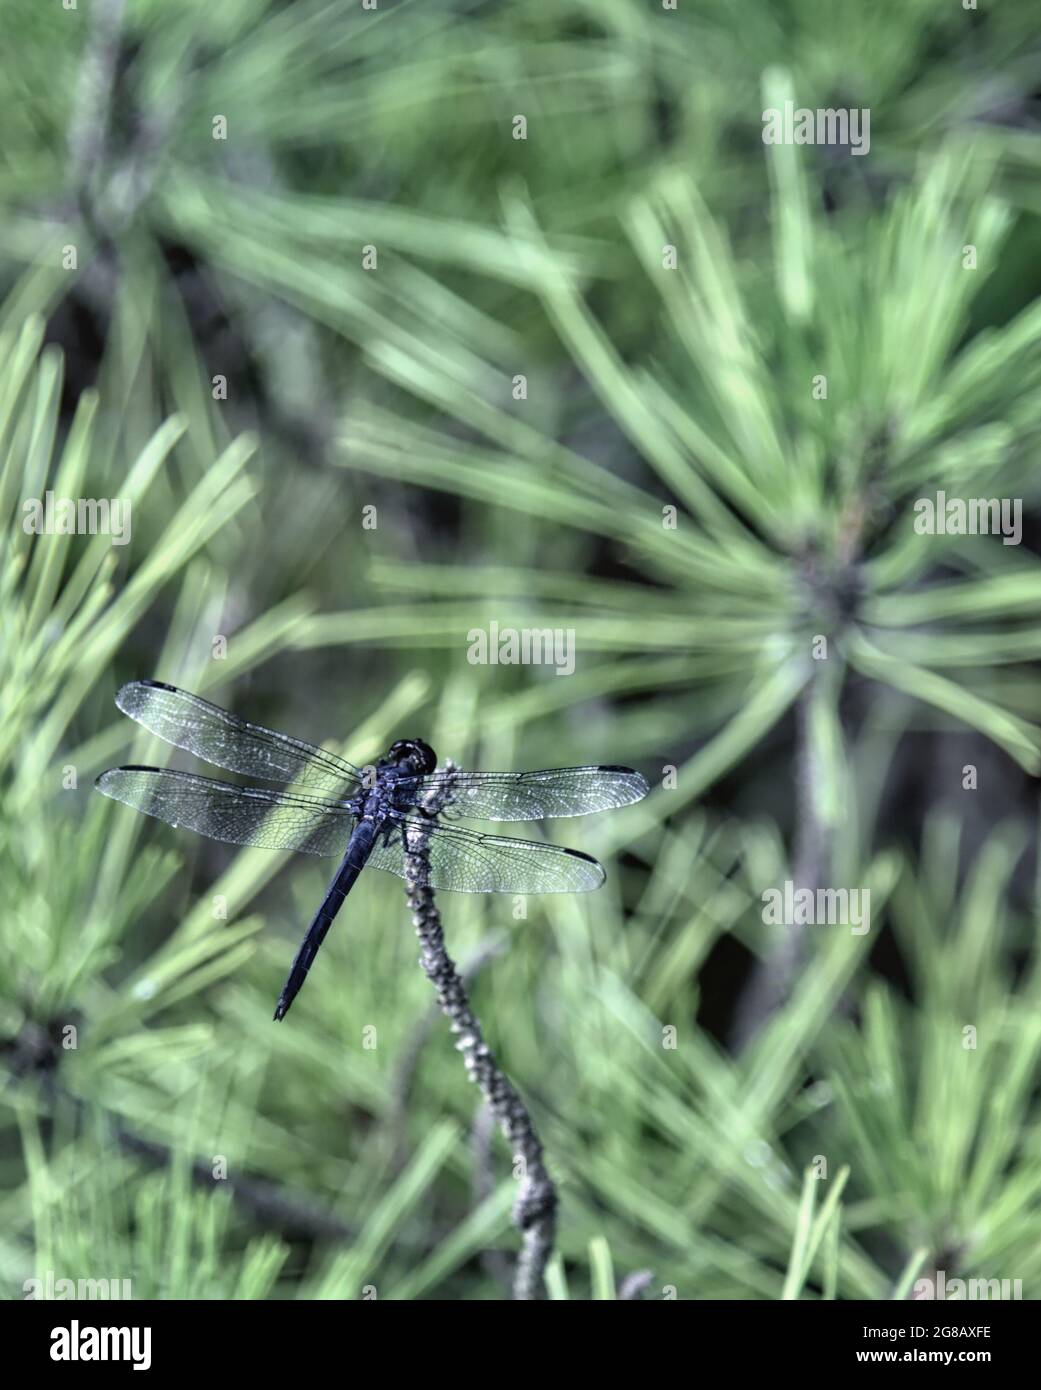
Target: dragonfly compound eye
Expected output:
[421,754]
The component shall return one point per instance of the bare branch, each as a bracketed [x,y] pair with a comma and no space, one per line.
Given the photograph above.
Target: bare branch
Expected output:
[534,1211]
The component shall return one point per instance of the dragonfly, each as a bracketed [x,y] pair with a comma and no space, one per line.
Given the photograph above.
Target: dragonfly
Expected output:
[369,818]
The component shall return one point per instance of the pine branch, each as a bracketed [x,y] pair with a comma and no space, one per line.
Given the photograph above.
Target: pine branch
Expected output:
[412,1051]
[776,975]
[534,1211]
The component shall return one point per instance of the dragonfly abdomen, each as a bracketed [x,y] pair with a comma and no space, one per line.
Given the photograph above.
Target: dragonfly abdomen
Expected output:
[363,837]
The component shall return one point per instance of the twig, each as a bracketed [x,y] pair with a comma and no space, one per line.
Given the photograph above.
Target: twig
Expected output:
[534,1211]
[635,1285]
[270,1205]
[401,1085]
[112,170]
[774,977]
[495,1263]
[35,1052]
[88,127]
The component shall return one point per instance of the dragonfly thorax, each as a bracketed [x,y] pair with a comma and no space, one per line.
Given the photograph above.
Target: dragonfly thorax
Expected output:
[413,754]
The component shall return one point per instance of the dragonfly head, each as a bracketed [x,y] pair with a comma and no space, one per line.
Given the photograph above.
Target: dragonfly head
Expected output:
[419,755]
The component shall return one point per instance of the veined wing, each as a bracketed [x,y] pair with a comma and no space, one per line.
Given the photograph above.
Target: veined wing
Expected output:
[558,791]
[466,861]
[223,739]
[237,815]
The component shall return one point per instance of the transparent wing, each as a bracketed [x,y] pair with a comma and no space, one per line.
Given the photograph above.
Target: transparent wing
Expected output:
[238,815]
[226,741]
[466,861]
[559,791]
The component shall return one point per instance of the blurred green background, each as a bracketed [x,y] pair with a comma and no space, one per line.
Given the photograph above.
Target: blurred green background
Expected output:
[191,318]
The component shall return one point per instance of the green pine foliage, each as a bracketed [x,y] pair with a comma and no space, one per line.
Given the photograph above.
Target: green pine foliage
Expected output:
[637,375]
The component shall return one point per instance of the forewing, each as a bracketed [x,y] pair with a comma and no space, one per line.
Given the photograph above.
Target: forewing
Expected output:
[509,796]
[465,861]
[223,739]
[237,815]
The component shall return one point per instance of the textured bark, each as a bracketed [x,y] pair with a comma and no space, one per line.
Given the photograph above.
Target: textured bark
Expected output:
[535,1207]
